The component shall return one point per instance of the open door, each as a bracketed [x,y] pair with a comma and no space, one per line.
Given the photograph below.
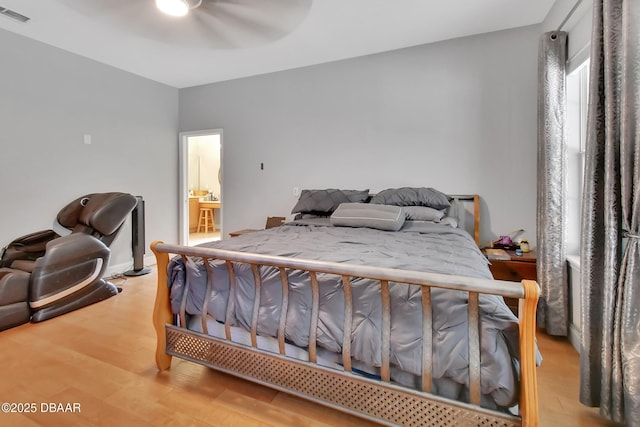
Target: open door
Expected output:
[200,186]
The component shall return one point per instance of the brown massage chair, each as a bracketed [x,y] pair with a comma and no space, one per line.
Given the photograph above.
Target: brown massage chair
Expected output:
[46,274]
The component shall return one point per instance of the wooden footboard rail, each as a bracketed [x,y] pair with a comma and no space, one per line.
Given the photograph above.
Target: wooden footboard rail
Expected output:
[381,401]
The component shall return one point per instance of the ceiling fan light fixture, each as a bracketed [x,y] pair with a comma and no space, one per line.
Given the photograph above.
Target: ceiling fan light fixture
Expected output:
[173,7]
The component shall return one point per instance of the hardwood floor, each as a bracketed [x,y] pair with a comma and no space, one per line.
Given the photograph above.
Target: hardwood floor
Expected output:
[101,358]
[196,238]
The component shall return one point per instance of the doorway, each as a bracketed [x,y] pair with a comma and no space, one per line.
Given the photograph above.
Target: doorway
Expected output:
[200,186]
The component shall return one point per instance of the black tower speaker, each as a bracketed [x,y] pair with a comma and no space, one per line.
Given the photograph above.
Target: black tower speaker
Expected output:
[137,240]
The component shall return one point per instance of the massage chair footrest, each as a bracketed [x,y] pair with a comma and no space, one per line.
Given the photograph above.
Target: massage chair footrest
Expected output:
[91,294]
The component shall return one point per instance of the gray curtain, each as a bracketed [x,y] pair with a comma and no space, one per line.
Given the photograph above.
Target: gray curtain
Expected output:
[552,158]
[610,353]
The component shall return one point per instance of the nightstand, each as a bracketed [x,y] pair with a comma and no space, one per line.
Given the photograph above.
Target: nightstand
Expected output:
[515,269]
[243,231]
[272,221]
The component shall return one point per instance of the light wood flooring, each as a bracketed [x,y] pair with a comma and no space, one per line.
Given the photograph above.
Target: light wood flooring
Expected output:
[102,358]
[196,238]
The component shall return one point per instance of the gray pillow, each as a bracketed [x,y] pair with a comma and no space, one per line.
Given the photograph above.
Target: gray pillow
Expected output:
[450,221]
[319,201]
[381,217]
[356,196]
[410,196]
[423,213]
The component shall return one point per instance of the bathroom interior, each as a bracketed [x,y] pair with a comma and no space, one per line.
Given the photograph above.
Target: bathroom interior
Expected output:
[204,181]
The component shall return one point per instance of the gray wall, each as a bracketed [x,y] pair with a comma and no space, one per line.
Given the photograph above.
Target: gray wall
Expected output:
[49,99]
[458,115]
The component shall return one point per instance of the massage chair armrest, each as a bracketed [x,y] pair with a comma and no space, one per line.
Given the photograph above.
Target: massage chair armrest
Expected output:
[69,264]
[28,247]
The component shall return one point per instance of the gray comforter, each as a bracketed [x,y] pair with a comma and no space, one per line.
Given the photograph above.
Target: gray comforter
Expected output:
[417,246]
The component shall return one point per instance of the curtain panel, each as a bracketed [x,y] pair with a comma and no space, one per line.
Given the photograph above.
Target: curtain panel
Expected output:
[610,246]
[553,307]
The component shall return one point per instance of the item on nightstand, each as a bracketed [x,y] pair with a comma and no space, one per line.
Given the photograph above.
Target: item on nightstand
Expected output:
[506,242]
[524,245]
[497,254]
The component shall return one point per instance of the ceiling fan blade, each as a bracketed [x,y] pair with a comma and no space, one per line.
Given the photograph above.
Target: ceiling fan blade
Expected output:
[247,23]
[218,24]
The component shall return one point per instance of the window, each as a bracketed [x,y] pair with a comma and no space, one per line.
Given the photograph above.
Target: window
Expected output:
[576,137]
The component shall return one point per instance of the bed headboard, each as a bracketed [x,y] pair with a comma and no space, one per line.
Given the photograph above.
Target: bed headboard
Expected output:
[473,226]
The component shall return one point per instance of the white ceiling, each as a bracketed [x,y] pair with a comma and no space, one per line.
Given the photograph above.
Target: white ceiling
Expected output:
[332,30]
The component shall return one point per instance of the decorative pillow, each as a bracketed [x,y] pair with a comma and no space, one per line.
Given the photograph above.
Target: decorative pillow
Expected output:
[450,221]
[324,202]
[409,196]
[319,201]
[356,196]
[423,213]
[381,217]
[311,216]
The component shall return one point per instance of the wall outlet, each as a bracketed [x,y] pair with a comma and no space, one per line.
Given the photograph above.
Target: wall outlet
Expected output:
[296,191]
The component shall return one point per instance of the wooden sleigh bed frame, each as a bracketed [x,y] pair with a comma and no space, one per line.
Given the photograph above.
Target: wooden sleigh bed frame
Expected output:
[381,400]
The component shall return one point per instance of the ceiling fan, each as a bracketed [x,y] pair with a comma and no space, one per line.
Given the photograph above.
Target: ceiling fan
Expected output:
[218,24]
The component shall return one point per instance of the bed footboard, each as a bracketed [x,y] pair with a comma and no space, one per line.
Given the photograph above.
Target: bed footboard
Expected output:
[381,401]
[162,309]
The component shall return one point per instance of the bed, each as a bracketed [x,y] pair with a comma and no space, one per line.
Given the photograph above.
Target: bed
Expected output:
[400,324]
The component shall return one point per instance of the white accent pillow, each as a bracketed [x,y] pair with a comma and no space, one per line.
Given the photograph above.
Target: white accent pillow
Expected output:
[423,213]
[381,217]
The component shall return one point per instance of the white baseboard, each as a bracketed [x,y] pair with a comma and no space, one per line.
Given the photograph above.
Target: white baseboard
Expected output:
[119,269]
[574,337]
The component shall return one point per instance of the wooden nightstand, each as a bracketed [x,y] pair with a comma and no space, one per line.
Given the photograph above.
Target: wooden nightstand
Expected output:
[272,221]
[515,270]
[243,231]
